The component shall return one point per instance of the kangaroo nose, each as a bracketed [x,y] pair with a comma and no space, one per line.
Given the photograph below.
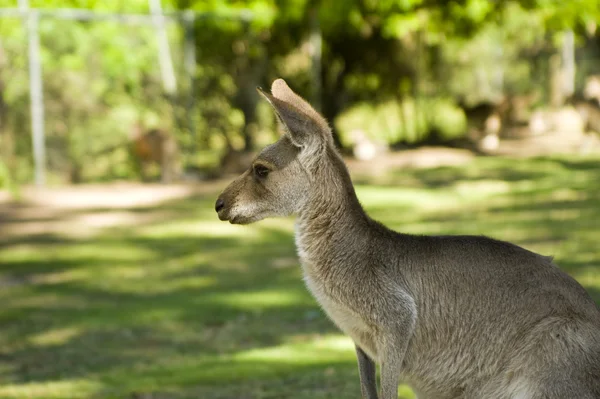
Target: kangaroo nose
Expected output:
[219,204]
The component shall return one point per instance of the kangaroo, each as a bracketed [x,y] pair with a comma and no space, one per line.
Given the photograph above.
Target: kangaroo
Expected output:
[587,106]
[452,316]
[484,123]
[154,146]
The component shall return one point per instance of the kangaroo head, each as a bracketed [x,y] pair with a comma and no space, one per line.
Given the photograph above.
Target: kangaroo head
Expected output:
[282,177]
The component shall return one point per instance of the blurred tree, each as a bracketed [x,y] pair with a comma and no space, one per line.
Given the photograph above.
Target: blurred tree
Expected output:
[95,87]
[231,42]
[100,77]
[373,50]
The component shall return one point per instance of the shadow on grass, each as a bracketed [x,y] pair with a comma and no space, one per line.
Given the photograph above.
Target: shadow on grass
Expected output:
[489,168]
[154,311]
[181,306]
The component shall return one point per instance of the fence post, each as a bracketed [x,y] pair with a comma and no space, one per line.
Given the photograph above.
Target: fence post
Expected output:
[189,62]
[164,53]
[35,93]
[568,63]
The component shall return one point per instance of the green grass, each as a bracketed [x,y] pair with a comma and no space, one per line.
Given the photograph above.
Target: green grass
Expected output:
[190,307]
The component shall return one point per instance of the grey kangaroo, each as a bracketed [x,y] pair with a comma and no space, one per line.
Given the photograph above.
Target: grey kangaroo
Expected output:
[452,316]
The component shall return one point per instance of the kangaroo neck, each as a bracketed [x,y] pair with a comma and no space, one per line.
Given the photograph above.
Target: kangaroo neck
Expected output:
[332,220]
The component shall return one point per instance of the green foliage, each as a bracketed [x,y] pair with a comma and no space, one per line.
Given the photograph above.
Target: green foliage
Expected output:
[99,5]
[406,58]
[559,15]
[490,63]
[7,182]
[408,121]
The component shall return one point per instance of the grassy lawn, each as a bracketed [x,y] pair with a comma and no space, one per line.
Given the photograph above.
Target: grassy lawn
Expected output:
[185,306]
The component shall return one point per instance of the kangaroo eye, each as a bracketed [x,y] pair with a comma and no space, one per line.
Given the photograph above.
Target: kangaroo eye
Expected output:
[261,171]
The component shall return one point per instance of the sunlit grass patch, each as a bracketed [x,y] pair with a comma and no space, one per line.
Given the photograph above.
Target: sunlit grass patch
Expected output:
[57,336]
[321,350]
[186,306]
[62,389]
[263,298]
[214,228]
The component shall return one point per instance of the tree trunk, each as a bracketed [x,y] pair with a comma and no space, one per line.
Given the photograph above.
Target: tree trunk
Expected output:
[250,123]
[331,109]
[568,63]
[7,144]
[6,137]
[333,103]
[251,69]
[316,52]
[555,81]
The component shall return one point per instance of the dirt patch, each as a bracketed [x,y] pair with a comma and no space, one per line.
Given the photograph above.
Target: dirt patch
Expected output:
[81,211]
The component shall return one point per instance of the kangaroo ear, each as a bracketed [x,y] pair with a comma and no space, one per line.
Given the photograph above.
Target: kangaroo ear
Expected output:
[305,127]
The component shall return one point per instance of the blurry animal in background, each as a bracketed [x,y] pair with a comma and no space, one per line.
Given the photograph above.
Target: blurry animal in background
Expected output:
[145,148]
[589,112]
[484,122]
[539,122]
[488,121]
[154,146]
[587,105]
[363,148]
[592,87]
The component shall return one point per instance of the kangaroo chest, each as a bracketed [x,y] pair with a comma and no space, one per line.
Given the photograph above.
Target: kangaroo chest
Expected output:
[344,314]
[334,285]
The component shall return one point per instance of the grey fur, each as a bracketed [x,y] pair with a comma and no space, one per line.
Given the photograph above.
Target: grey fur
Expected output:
[452,316]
